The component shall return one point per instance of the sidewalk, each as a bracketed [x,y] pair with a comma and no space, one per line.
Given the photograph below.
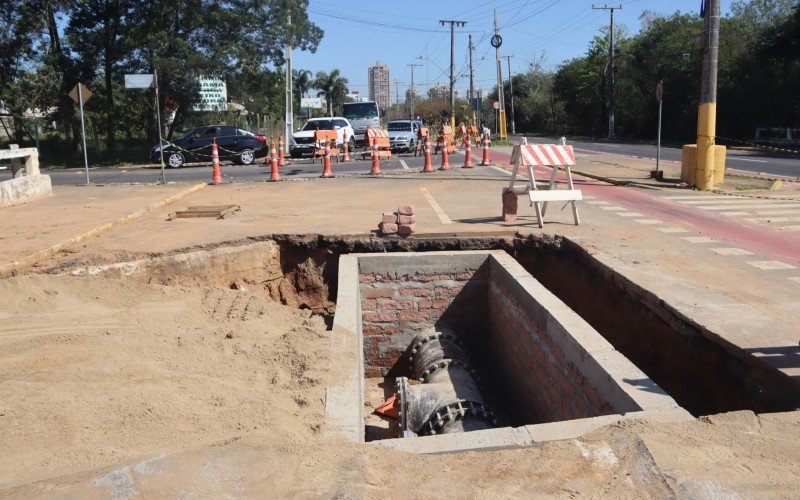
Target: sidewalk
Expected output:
[33,231]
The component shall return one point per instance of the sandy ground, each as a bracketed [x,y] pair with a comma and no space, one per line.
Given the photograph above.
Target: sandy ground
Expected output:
[223,385]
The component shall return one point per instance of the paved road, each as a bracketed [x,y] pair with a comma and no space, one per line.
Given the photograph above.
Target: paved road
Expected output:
[761,162]
[239,173]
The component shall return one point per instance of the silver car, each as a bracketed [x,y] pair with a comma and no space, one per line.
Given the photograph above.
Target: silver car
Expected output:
[403,134]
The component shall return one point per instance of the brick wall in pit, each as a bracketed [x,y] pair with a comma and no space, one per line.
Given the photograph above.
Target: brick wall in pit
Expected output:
[545,386]
[397,306]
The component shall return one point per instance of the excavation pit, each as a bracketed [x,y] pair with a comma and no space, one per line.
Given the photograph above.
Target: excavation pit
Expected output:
[544,371]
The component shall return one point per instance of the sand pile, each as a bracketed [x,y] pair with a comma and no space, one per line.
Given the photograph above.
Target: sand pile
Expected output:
[95,371]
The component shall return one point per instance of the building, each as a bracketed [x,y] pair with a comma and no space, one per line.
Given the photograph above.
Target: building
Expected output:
[355,96]
[380,89]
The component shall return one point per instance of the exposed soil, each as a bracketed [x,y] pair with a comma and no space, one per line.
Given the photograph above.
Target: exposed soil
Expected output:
[95,372]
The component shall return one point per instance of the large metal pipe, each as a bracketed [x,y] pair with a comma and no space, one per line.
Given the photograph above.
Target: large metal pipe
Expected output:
[448,399]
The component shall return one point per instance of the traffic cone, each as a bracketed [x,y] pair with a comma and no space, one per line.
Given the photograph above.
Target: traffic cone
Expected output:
[346,148]
[326,161]
[216,177]
[485,160]
[468,154]
[376,161]
[275,175]
[428,163]
[445,157]
[281,158]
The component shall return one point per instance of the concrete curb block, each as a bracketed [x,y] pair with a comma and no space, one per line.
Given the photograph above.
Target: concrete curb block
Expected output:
[10,269]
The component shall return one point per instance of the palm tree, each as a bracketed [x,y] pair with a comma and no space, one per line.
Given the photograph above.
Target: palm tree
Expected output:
[302,82]
[333,86]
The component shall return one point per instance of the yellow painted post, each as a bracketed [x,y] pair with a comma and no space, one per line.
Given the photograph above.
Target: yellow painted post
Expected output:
[502,126]
[706,133]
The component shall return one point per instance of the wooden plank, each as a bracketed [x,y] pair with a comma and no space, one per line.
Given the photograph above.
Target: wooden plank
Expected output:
[556,195]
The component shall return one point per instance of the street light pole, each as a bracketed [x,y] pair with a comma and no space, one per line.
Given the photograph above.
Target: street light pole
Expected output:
[453,25]
[471,81]
[411,93]
[511,91]
[612,59]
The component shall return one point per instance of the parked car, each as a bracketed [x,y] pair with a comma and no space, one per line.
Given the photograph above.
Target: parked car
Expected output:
[403,134]
[302,141]
[233,143]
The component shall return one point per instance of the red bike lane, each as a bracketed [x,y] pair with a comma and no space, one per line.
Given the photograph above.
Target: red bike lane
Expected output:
[760,239]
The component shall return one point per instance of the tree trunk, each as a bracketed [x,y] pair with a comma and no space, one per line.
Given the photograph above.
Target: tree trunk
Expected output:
[64,102]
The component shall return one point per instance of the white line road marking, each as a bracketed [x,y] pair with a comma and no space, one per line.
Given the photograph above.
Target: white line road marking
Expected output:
[774,219]
[698,197]
[503,171]
[770,265]
[745,207]
[435,206]
[649,222]
[697,239]
[403,164]
[771,212]
[671,229]
[725,201]
[790,228]
[731,251]
[604,144]
[748,159]
[613,209]
[598,202]
[736,214]
[795,279]
[629,214]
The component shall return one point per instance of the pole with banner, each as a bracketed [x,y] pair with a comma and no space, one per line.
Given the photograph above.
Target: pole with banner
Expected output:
[659,98]
[146,81]
[81,94]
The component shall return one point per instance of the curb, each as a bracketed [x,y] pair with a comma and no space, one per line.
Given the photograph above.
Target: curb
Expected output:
[14,267]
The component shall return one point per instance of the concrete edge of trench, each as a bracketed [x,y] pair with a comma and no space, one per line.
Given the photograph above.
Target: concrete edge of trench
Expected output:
[16,266]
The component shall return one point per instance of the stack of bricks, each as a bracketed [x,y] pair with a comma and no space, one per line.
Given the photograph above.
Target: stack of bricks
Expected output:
[401,222]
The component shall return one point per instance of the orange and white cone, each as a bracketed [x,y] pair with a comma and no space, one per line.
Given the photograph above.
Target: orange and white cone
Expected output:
[376,161]
[445,157]
[216,176]
[468,154]
[428,167]
[275,175]
[346,148]
[326,161]
[485,160]
[281,158]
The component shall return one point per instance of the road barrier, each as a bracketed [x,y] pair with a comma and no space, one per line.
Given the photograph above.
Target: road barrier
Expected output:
[530,156]
[346,147]
[379,138]
[326,159]
[281,158]
[216,176]
[468,152]
[485,160]
[322,144]
[446,140]
[274,175]
[426,134]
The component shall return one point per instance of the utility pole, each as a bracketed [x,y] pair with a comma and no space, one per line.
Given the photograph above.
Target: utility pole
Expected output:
[511,91]
[612,58]
[412,89]
[471,49]
[707,111]
[453,25]
[496,42]
[289,98]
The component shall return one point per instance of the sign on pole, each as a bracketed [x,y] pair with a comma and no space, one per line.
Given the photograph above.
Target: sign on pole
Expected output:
[80,94]
[143,81]
[496,105]
[146,81]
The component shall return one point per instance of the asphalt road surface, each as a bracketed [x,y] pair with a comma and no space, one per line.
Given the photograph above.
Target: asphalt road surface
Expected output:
[755,162]
[302,168]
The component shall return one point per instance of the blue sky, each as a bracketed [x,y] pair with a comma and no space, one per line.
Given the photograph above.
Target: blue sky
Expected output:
[398,32]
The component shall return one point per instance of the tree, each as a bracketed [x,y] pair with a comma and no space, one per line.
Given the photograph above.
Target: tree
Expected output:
[302,82]
[332,86]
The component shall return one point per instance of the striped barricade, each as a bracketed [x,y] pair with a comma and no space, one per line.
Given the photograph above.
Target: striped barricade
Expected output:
[545,155]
